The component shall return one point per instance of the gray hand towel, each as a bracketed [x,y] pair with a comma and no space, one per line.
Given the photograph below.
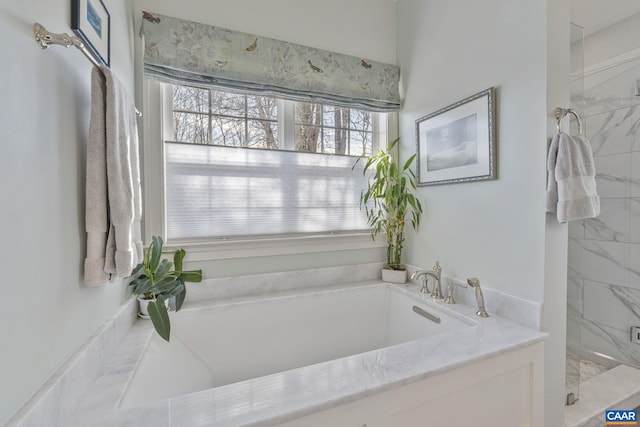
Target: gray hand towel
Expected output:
[114,201]
[571,184]
[97,205]
[123,177]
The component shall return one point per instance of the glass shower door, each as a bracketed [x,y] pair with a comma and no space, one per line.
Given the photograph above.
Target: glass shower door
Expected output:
[574,283]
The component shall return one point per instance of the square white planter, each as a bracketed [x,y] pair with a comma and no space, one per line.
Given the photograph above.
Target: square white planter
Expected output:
[394,276]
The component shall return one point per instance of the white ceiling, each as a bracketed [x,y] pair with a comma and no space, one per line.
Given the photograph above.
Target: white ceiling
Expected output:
[594,15]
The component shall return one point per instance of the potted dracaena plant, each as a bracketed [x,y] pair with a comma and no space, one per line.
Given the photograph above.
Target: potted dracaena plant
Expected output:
[387,200]
[156,280]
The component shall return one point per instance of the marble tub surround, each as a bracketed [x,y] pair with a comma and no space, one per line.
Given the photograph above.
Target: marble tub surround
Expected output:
[617,388]
[99,370]
[285,396]
[522,311]
[260,284]
[60,395]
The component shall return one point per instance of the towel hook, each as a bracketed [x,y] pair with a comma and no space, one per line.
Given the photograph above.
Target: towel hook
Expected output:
[559,114]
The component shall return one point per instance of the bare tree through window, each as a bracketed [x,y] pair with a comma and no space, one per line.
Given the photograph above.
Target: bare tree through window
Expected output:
[190,113]
[308,122]
[335,130]
[208,116]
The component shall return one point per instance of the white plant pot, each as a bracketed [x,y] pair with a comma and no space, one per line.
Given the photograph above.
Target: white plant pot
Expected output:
[394,276]
[143,304]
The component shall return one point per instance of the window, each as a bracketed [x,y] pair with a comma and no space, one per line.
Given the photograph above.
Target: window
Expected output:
[205,116]
[240,167]
[333,130]
[215,117]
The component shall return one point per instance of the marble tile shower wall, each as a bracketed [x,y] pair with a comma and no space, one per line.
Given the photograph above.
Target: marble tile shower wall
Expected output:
[604,252]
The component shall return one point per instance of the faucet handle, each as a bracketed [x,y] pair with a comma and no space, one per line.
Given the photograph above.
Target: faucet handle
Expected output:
[425,285]
[450,285]
[437,269]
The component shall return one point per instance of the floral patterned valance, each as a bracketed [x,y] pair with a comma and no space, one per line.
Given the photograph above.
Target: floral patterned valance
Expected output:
[188,52]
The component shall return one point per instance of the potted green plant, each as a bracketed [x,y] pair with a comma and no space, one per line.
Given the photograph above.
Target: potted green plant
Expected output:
[387,200]
[156,280]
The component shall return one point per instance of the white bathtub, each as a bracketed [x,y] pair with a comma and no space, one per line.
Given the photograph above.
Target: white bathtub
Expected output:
[232,342]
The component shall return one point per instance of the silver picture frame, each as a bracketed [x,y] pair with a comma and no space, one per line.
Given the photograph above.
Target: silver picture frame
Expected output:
[458,143]
[91,22]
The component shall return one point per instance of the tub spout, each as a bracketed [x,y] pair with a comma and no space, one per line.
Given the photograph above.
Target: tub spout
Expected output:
[435,273]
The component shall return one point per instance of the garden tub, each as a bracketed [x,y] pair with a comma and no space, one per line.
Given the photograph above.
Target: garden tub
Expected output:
[230,342]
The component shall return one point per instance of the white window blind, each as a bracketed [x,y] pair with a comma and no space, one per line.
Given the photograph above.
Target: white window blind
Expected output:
[219,192]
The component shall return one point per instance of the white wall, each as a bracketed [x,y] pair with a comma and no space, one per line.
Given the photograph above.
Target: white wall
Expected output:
[46,312]
[364,28]
[495,230]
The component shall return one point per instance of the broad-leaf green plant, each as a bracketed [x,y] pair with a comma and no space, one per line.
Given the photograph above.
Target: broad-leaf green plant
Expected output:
[159,279]
[388,199]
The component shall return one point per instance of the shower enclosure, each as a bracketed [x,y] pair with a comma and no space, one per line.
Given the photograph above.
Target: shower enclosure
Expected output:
[603,297]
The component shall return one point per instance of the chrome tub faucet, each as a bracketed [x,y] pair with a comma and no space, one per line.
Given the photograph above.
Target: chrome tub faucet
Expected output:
[425,274]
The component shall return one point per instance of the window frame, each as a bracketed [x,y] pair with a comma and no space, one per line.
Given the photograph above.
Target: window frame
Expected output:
[158,122]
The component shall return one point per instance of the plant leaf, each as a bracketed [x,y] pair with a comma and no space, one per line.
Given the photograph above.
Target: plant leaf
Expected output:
[178,256]
[166,284]
[163,269]
[191,276]
[356,163]
[136,271]
[180,298]
[156,251]
[407,164]
[142,285]
[175,289]
[160,317]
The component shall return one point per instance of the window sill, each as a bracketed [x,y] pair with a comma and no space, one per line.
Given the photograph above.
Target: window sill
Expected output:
[228,249]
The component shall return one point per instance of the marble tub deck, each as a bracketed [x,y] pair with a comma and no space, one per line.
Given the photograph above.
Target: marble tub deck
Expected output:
[285,396]
[617,388]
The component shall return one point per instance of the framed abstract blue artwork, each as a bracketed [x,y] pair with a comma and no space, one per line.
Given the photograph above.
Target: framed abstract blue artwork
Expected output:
[90,20]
